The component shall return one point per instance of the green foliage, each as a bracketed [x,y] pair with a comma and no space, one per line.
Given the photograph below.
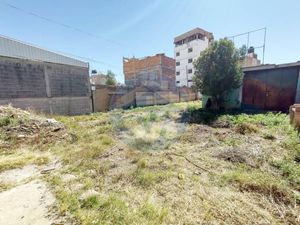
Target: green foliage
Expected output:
[4,121]
[290,170]
[90,202]
[110,78]
[218,70]
[153,117]
[243,51]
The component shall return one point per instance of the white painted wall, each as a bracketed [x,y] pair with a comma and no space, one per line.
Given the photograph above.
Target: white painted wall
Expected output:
[198,46]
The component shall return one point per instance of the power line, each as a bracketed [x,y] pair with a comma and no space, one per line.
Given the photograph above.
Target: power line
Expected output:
[59,23]
[68,27]
[62,53]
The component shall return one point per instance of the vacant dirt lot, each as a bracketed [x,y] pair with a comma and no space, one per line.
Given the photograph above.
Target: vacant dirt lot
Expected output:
[172,164]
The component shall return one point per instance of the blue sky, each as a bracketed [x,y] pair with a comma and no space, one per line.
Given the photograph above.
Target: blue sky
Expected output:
[117,28]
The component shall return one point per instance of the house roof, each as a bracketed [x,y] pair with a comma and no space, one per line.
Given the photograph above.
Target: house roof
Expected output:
[17,49]
[197,30]
[270,66]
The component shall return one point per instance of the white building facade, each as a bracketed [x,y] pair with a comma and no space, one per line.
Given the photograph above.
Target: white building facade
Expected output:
[188,47]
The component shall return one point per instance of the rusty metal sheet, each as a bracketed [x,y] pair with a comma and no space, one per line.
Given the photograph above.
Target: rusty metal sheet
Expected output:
[273,89]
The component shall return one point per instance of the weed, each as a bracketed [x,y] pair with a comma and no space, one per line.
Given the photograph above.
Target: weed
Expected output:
[13,162]
[233,142]
[167,115]
[146,178]
[113,210]
[151,213]
[5,121]
[104,129]
[142,163]
[246,128]
[269,136]
[105,139]
[290,170]
[141,143]
[259,182]
[90,202]
[41,160]
[153,117]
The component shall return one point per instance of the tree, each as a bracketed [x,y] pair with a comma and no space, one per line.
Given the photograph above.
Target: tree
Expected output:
[243,51]
[218,71]
[110,78]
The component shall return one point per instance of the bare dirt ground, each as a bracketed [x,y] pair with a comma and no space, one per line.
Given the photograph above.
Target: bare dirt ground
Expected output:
[29,201]
[26,204]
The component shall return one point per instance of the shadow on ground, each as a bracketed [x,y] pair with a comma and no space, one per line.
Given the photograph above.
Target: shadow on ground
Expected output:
[210,116]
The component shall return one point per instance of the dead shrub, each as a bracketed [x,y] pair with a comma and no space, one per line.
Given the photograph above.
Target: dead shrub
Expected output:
[279,194]
[246,128]
[234,155]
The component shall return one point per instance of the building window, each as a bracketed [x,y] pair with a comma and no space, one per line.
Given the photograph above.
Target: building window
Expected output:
[190,50]
[177,53]
[178,73]
[201,37]
[190,60]
[190,71]
[178,82]
[177,64]
[190,80]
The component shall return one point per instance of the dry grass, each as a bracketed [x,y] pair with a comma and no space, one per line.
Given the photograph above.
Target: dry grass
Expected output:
[131,167]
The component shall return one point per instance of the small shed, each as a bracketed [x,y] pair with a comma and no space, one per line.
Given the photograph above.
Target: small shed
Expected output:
[271,87]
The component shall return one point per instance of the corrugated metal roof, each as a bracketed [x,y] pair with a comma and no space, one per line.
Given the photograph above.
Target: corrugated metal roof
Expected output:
[270,66]
[16,49]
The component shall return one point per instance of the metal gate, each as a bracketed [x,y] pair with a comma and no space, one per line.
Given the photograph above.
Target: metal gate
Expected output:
[273,89]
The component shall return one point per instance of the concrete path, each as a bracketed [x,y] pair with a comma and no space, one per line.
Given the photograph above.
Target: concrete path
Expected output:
[26,204]
[29,201]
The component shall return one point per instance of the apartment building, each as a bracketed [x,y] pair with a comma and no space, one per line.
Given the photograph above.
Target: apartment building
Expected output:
[188,47]
[155,72]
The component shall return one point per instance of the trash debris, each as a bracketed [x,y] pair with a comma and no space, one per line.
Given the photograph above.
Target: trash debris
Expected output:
[26,127]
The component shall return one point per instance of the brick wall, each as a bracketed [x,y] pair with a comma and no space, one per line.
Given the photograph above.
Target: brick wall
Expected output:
[155,71]
[46,87]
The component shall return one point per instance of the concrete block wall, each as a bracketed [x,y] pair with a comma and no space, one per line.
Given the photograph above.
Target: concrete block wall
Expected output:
[46,87]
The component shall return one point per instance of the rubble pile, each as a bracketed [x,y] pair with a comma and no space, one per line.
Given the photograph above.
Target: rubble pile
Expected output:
[18,126]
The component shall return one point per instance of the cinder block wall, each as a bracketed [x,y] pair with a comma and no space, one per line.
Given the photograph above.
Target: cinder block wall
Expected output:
[46,87]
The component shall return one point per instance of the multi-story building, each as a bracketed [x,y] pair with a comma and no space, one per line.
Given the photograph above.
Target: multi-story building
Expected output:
[156,72]
[188,47]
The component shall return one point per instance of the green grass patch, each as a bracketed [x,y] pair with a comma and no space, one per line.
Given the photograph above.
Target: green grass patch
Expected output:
[290,170]
[147,178]
[258,182]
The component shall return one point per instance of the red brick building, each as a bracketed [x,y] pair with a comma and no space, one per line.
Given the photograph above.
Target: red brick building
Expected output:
[156,72]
